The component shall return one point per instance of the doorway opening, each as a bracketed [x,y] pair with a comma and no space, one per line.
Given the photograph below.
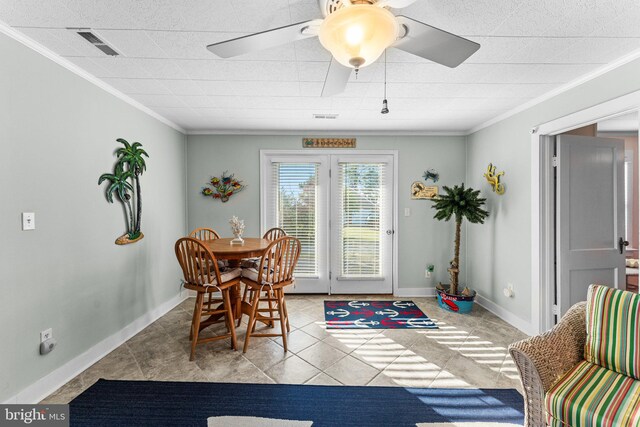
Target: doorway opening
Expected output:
[586,189]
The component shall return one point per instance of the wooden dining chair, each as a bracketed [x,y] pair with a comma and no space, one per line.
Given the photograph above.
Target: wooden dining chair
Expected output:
[201,274]
[266,285]
[271,235]
[204,233]
[274,234]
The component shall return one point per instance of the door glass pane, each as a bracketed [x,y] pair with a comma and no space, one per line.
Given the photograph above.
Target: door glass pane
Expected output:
[296,209]
[362,207]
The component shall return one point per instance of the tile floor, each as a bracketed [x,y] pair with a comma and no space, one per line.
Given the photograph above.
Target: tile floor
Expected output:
[467,351]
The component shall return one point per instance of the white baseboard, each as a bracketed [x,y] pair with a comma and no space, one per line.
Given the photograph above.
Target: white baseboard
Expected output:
[415,292]
[46,385]
[506,315]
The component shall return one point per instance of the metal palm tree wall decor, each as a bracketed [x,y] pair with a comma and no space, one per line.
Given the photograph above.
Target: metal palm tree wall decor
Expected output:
[127,170]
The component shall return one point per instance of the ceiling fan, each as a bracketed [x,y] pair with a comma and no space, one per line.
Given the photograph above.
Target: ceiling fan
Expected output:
[357,32]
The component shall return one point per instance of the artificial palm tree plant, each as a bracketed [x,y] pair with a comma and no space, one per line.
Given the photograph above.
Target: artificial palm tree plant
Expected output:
[460,203]
[129,166]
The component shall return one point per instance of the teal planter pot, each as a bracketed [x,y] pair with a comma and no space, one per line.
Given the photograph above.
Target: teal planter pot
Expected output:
[456,303]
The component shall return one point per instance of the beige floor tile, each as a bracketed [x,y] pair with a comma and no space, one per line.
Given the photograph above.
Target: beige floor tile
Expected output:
[292,370]
[410,370]
[378,353]
[317,330]
[351,371]
[471,372]
[266,353]
[297,341]
[300,319]
[467,351]
[323,379]
[321,355]
[118,364]
[347,340]
[66,393]
[432,351]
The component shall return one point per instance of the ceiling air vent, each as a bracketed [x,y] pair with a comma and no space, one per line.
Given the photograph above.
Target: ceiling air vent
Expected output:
[86,34]
[325,116]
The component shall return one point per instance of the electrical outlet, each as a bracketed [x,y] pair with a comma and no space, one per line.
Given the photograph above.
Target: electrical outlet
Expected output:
[508,291]
[46,334]
[407,211]
[28,221]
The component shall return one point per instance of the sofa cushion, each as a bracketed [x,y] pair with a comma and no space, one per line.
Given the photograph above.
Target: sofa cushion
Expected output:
[613,330]
[589,395]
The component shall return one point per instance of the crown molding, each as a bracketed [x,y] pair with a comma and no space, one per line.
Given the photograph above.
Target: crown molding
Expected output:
[559,90]
[302,132]
[34,45]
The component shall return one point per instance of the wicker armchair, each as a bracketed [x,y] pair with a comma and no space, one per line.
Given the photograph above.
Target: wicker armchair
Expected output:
[542,360]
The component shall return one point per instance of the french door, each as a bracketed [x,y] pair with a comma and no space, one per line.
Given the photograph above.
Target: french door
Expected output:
[341,208]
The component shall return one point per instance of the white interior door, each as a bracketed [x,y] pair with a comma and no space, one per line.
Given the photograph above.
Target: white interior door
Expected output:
[589,216]
[361,224]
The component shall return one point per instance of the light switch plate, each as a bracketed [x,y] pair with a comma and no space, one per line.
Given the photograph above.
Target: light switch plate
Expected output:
[28,221]
[407,211]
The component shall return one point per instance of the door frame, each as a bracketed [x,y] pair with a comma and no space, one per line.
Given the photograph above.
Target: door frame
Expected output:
[543,199]
[264,153]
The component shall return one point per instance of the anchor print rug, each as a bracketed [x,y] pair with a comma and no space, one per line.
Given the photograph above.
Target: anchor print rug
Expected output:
[375,315]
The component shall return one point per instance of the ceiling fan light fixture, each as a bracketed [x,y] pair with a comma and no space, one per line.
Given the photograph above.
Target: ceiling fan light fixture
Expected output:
[358,34]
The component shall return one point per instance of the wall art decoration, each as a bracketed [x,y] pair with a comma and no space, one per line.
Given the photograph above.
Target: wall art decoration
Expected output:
[223,187]
[431,174]
[129,166]
[493,179]
[419,191]
[328,142]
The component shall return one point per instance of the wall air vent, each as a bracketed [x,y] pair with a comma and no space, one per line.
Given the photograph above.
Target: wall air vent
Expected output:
[86,34]
[326,116]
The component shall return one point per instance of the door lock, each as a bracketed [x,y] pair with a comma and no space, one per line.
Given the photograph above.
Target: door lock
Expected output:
[622,244]
[389,232]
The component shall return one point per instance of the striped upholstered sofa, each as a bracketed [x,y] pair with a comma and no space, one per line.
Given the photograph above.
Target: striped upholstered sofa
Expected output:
[586,370]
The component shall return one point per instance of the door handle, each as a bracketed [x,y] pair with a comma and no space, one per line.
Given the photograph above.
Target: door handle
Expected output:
[389,232]
[622,244]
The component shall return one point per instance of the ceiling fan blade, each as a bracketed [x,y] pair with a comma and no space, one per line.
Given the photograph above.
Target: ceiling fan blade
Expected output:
[265,39]
[434,44]
[395,4]
[337,79]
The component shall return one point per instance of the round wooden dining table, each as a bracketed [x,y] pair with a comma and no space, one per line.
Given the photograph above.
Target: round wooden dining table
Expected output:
[223,250]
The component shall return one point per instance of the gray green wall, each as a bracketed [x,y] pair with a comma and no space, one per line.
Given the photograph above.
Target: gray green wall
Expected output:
[57,135]
[499,252]
[421,239]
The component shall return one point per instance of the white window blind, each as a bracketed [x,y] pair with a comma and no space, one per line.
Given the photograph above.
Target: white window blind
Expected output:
[361,218]
[295,188]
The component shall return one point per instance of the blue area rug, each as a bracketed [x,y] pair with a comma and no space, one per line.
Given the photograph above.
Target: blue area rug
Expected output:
[152,403]
[375,315]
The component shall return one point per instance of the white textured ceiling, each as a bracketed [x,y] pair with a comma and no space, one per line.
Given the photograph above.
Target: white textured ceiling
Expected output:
[528,48]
